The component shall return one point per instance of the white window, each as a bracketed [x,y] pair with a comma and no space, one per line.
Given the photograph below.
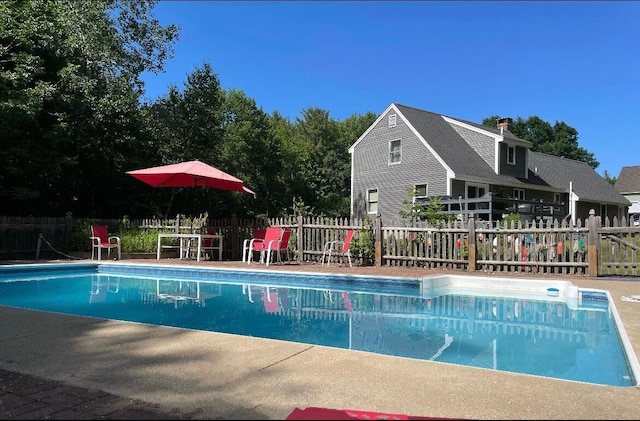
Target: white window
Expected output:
[395,151]
[392,120]
[511,155]
[518,194]
[372,201]
[420,192]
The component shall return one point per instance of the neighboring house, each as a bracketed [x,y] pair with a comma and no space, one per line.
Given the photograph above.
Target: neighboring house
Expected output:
[474,169]
[628,184]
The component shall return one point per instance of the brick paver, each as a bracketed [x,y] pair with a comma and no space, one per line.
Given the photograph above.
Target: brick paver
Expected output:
[25,397]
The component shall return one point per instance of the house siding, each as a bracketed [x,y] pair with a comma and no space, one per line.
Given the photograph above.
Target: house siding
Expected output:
[482,144]
[517,170]
[371,169]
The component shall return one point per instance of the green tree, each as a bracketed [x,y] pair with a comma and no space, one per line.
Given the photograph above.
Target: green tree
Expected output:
[187,125]
[320,147]
[558,140]
[313,150]
[413,210]
[70,78]
[610,179]
[435,212]
[292,156]
[349,131]
[250,151]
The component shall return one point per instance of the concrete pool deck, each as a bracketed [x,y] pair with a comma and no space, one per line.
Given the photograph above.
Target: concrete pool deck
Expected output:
[168,373]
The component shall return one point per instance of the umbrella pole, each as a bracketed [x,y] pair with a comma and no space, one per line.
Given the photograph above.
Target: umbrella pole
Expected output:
[193,206]
[173,193]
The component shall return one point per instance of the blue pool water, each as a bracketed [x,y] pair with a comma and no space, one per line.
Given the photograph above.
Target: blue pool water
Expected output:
[523,331]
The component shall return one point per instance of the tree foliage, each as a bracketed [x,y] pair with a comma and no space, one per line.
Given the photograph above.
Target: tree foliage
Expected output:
[412,210]
[610,178]
[69,99]
[250,151]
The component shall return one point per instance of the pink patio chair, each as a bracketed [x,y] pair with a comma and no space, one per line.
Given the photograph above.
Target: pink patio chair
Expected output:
[264,246]
[281,246]
[338,248]
[258,234]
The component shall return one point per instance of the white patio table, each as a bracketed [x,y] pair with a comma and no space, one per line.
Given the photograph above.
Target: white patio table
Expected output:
[185,240]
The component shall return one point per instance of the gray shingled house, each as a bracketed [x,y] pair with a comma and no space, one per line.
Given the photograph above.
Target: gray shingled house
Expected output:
[628,184]
[476,170]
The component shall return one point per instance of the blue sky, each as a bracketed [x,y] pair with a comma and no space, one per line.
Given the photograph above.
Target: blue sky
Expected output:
[577,62]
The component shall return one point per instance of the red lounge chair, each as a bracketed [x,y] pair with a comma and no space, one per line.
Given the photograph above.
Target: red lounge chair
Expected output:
[100,239]
[258,234]
[338,248]
[279,247]
[270,240]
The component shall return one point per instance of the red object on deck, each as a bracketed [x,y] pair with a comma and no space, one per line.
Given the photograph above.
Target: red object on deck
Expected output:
[314,413]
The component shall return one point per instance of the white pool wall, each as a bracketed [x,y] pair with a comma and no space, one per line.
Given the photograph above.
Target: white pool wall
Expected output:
[506,287]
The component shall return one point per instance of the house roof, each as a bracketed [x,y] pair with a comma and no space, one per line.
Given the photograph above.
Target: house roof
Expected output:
[545,171]
[586,182]
[447,143]
[629,180]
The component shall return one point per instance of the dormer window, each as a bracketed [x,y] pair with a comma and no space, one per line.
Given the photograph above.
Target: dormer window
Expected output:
[392,120]
[511,155]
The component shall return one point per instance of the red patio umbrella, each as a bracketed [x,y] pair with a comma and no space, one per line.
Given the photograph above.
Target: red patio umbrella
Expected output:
[189,174]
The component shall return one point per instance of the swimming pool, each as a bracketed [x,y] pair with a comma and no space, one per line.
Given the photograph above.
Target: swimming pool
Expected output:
[544,328]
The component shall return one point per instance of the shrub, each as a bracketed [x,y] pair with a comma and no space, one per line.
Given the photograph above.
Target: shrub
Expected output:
[363,245]
[138,240]
[80,233]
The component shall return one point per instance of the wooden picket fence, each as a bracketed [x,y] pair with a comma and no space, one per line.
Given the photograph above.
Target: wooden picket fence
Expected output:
[589,248]
[19,235]
[546,247]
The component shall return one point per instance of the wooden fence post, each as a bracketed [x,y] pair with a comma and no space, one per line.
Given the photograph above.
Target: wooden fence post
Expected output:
[68,229]
[377,235]
[235,237]
[300,239]
[592,241]
[177,226]
[471,244]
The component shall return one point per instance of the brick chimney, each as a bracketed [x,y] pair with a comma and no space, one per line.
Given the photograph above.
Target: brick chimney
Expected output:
[504,124]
